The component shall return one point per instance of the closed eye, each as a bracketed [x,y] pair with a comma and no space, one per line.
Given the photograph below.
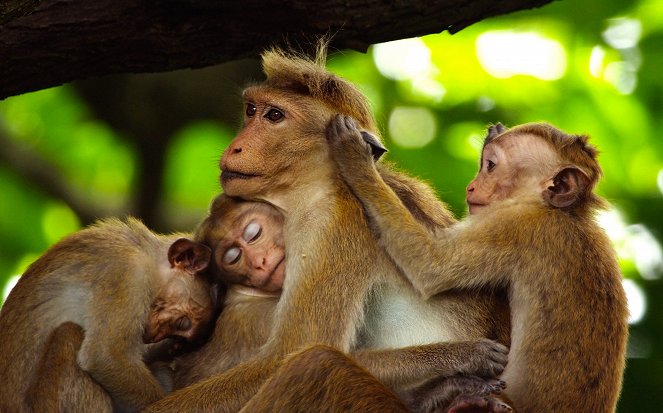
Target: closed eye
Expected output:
[252,232]
[232,256]
[183,323]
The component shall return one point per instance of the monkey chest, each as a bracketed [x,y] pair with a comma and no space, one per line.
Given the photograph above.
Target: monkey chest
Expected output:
[397,316]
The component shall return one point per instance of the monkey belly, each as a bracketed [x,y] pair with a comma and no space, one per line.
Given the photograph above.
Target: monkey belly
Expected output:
[396,316]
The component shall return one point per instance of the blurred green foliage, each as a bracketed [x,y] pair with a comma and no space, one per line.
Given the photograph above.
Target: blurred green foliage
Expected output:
[590,67]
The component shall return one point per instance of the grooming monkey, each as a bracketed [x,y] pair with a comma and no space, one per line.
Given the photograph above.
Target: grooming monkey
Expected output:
[341,289]
[127,288]
[531,229]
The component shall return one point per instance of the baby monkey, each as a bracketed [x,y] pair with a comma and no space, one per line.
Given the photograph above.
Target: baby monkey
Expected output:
[251,251]
[531,229]
[128,289]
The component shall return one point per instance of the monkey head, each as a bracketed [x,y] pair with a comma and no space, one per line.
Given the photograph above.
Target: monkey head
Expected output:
[282,143]
[530,161]
[247,243]
[184,306]
[273,148]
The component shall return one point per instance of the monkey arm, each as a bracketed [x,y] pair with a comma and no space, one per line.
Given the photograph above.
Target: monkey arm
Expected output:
[411,365]
[59,383]
[122,374]
[418,197]
[323,379]
[432,261]
[113,349]
[437,261]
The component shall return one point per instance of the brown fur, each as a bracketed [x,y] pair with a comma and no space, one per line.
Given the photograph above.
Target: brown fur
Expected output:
[339,280]
[60,385]
[104,278]
[324,380]
[568,306]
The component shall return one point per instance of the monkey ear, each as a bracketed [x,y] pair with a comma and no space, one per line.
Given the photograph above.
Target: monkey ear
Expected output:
[188,255]
[569,185]
[377,148]
[494,130]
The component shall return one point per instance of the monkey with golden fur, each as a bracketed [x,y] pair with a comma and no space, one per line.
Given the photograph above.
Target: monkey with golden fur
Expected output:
[531,229]
[119,289]
[250,258]
[342,290]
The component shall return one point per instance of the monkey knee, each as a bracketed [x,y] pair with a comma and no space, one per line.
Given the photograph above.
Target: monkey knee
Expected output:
[67,336]
[318,354]
[69,331]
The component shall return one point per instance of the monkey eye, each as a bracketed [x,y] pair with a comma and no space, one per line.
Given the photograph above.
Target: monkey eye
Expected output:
[490,165]
[232,256]
[183,323]
[274,115]
[252,232]
[251,109]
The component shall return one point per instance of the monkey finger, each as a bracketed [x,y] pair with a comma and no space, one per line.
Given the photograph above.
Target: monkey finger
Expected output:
[333,128]
[350,123]
[494,386]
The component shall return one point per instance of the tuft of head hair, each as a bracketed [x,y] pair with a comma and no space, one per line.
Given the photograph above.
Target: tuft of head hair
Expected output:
[292,71]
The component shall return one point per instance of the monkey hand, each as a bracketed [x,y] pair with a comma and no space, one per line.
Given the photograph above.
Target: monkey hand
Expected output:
[485,358]
[352,150]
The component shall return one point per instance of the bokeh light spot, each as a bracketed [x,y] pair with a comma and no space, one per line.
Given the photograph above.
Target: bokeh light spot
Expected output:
[623,32]
[507,53]
[412,127]
[402,59]
[58,220]
[637,302]
[9,286]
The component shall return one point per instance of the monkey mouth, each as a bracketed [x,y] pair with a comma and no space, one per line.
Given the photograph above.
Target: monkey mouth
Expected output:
[228,175]
[474,207]
[279,266]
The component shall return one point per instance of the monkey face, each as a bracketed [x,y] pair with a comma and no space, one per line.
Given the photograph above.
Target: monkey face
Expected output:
[274,147]
[512,165]
[252,251]
[184,308]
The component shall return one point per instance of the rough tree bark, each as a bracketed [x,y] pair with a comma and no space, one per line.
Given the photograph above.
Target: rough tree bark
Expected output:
[46,43]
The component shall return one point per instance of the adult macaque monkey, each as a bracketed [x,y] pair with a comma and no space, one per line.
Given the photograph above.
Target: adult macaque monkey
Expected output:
[127,288]
[531,229]
[249,252]
[340,289]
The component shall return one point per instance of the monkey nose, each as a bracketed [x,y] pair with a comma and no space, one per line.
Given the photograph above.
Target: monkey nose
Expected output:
[470,187]
[258,261]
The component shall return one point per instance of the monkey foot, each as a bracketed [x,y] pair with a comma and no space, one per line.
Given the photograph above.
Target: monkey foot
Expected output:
[478,404]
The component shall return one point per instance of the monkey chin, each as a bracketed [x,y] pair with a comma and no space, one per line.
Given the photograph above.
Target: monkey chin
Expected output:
[239,184]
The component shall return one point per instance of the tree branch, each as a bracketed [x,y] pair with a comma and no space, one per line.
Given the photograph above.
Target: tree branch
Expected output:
[66,40]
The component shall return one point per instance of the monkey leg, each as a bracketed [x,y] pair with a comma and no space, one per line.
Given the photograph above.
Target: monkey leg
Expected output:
[60,385]
[322,379]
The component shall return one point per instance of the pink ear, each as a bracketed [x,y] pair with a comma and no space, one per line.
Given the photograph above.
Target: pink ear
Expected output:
[570,185]
[188,255]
